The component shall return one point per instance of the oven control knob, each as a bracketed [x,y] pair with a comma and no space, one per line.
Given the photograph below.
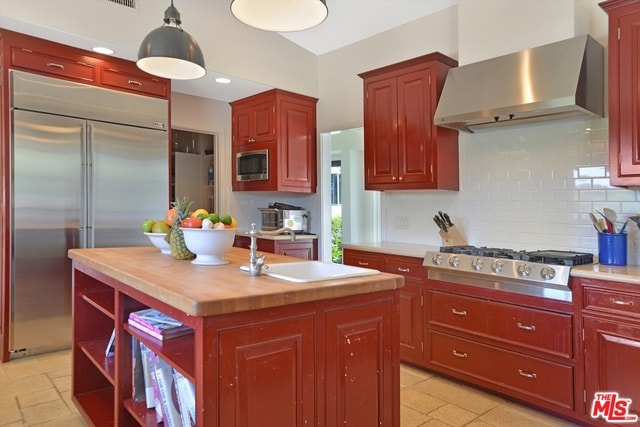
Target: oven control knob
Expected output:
[497,266]
[548,273]
[524,270]
[437,259]
[477,264]
[454,261]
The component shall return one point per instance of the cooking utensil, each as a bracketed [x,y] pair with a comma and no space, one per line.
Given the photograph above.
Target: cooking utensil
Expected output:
[624,226]
[609,225]
[595,222]
[612,217]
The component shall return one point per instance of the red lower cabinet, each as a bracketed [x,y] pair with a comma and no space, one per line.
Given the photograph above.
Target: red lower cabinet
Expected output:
[267,376]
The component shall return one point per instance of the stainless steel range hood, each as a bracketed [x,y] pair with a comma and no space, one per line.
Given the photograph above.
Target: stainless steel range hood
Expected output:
[555,81]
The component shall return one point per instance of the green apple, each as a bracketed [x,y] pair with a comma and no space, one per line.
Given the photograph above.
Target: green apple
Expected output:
[147,225]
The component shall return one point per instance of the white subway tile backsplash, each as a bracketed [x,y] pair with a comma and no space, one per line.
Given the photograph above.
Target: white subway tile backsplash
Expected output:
[524,188]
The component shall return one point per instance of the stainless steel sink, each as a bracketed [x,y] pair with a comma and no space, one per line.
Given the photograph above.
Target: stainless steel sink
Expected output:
[313,271]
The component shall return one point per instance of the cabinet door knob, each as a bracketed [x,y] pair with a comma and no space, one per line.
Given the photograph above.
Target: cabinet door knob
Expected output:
[401,179]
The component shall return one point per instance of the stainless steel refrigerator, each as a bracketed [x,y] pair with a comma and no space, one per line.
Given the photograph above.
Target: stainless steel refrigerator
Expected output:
[88,165]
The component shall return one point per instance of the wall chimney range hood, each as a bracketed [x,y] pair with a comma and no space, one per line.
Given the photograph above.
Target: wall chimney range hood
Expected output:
[556,81]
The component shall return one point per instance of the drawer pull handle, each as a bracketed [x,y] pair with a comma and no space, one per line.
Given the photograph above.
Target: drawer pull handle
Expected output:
[404,269]
[459,313]
[135,83]
[461,355]
[363,263]
[55,65]
[526,374]
[527,327]
[620,302]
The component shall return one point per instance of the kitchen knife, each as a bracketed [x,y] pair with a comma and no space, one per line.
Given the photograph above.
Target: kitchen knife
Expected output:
[440,223]
[447,219]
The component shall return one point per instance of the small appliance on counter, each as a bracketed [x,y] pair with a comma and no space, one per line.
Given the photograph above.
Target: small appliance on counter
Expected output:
[279,215]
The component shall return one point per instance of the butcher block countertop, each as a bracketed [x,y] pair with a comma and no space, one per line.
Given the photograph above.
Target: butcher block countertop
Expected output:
[201,290]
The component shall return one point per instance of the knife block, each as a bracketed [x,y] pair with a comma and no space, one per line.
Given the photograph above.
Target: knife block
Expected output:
[452,237]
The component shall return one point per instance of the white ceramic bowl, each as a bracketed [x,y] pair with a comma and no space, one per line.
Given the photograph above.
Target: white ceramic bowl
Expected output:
[158,241]
[209,245]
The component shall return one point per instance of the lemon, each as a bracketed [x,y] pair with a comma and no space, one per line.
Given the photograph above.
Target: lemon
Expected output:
[200,213]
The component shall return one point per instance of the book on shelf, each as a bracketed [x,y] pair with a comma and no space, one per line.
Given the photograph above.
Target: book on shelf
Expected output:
[137,371]
[186,393]
[111,345]
[157,324]
[146,375]
[153,362]
[168,398]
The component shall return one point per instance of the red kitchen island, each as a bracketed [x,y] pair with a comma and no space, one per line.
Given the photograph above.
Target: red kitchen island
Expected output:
[264,352]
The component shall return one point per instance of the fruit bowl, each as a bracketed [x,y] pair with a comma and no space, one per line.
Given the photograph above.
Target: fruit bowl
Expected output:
[209,245]
[158,241]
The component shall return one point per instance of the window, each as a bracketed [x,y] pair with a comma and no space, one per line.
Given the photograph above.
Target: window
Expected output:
[336,182]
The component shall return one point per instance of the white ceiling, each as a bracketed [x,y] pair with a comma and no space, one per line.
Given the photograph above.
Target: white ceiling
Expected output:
[349,21]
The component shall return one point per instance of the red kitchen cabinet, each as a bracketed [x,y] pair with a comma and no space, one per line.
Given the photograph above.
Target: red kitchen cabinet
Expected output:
[285,124]
[254,121]
[610,314]
[624,91]
[411,297]
[403,149]
[302,248]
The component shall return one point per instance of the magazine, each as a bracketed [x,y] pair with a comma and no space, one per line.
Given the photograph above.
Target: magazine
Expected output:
[157,324]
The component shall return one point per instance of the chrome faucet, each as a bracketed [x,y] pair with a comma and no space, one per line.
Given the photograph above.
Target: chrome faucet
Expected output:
[256,260]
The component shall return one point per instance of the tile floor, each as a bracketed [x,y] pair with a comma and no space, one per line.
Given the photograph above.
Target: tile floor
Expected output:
[35,391]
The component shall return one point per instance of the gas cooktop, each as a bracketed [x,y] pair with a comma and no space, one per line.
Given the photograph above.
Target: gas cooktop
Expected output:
[540,273]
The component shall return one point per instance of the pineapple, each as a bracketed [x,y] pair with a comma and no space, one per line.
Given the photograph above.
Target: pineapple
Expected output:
[176,237]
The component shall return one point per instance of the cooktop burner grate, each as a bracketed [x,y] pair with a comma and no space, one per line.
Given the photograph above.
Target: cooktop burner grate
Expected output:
[554,257]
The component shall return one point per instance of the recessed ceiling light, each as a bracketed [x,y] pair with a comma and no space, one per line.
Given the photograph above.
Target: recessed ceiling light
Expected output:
[103,50]
[223,80]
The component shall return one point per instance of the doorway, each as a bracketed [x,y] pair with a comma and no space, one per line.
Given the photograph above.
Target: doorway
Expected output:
[350,214]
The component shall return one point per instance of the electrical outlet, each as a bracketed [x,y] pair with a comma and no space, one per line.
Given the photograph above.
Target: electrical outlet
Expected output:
[401,222]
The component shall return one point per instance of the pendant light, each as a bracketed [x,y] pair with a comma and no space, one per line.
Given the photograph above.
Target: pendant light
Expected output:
[280,15]
[170,52]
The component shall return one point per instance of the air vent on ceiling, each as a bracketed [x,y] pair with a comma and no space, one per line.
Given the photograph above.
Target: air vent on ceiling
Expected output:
[125,3]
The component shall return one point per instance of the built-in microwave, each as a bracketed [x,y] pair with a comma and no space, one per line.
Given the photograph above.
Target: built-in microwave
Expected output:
[252,166]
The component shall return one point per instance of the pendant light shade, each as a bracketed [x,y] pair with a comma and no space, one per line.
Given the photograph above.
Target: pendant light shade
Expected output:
[280,15]
[170,52]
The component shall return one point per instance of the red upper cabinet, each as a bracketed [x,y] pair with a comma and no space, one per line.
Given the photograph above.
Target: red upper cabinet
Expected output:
[285,124]
[404,150]
[624,91]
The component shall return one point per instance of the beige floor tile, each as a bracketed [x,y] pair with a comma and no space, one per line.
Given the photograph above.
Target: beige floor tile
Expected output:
[9,412]
[436,423]
[70,421]
[540,416]
[62,383]
[478,423]
[409,417]
[37,397]
[465,397]
[43,412]
[25,384]
[509,415]
[453,415]
[421,402]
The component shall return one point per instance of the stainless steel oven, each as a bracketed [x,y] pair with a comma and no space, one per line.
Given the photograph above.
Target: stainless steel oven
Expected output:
[252,165]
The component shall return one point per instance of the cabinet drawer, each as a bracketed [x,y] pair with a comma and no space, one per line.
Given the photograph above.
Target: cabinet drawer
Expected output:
[546,331]
[359,260]
[548,381]
[409,268]
[611,301]
[53,65]
[136,83]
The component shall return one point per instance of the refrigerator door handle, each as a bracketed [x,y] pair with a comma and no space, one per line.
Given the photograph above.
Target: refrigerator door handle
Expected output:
[88,182]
